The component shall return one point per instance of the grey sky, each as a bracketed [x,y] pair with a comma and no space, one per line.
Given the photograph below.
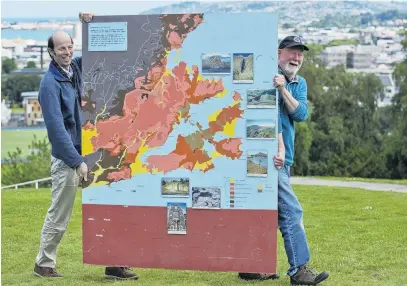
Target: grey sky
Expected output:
[58,8]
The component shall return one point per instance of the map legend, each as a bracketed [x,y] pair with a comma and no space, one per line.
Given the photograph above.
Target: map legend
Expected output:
[232,193]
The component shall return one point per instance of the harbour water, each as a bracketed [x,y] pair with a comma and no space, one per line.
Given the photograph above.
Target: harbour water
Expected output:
[37,35]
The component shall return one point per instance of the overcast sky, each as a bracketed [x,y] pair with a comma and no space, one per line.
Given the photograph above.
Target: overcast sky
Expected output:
[60,8]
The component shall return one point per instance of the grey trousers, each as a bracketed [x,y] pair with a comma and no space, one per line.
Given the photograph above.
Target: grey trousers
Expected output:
[65,181]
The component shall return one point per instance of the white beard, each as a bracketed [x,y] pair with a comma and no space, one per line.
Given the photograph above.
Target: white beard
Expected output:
[290,70]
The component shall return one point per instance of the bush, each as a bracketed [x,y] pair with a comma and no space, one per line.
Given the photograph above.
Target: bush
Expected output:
[17,169]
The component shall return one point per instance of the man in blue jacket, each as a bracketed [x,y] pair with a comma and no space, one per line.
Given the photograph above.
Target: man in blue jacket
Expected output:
[293,108]
[60,99]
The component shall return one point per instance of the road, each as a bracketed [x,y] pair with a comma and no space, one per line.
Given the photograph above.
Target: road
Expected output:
[349,184]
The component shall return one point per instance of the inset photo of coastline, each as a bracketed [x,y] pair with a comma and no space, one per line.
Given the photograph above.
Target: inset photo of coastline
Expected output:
[177,218]
[261,129]
[175,187]
[257,163]
[216,63]
[243,68]
[261,98]
[206,197]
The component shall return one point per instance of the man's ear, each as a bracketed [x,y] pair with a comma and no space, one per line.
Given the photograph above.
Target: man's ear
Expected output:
[51,53]
[278,52]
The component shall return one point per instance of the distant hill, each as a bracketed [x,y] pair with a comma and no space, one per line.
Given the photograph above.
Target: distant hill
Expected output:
[291,12]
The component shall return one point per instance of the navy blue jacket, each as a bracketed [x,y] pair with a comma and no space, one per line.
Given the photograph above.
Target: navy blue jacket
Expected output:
[60,100]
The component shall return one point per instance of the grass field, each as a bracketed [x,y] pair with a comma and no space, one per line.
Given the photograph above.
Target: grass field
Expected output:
[367,180]
[358,236]
[11,139]
[18,110]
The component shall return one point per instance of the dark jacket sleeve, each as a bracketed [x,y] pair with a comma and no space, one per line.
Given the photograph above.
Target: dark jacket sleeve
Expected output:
[301,112]
[50,101]
[78,61]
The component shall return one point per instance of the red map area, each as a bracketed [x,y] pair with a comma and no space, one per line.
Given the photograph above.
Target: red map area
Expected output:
[229,147]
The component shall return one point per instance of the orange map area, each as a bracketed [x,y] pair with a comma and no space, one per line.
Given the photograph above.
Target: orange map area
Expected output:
[147,122]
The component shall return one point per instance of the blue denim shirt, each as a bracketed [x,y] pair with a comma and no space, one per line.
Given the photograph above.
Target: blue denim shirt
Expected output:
[298,89]
[60,100]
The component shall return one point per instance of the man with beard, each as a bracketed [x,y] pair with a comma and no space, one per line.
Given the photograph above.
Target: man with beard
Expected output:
[293,108]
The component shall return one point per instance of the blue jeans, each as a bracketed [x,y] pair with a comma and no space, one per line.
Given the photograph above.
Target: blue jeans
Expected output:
[290,223]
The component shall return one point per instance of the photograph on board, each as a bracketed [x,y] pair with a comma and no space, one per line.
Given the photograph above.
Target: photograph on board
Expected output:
[261,98]
[243,69]
[177,218]
[206,197]
[257,163]
[175,187]
[261,129]
[216,63]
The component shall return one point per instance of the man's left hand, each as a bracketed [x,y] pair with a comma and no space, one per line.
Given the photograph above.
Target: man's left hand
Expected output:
[278,81]
[86,17]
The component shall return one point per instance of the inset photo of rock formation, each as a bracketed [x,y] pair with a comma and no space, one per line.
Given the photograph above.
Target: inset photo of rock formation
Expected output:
[261,129]
[216,63]
[243,69]
[257,162]
[261,98]
[175,187]
[206,197]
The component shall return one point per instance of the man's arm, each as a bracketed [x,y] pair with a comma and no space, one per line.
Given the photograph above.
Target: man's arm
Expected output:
[297,106]
[58,136]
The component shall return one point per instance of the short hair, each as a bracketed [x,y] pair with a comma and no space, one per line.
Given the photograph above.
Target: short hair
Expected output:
[51,44]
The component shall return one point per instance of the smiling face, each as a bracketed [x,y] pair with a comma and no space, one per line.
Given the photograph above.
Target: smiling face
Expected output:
[290,60]
[63,49]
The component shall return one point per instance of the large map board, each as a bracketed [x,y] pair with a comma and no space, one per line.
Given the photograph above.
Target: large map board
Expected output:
[179,132]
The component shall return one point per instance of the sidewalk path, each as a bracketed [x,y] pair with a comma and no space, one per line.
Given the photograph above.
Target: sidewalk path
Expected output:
[350,184]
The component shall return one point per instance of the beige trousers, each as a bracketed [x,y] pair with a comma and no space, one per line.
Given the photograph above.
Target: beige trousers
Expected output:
[65,182]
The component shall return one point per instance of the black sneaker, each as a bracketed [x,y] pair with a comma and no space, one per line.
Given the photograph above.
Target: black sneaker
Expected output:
[46,272]
[258,276]
[122,273]
[308,276]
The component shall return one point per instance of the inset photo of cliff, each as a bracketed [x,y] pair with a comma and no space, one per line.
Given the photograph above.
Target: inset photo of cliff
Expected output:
[257,163]
[261,129]
[216,63]
[206,197]
[243,69]
[175,187]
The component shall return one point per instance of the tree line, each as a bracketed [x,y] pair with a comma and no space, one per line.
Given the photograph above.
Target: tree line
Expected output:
[346,134]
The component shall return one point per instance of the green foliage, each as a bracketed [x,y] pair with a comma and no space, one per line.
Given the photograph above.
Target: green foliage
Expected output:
[396,143]
[7,65]
[14,85]
[346,134]
[17,169]
[31,64]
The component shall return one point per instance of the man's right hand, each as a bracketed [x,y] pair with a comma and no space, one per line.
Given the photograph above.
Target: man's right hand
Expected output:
[83,171]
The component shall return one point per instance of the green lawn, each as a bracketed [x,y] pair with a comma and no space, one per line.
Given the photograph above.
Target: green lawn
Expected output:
[358,236]
[18,110]
[382,181]
[11,139]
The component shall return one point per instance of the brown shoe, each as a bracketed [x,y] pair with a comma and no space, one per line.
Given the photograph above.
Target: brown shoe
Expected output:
[308,276]
[122,273]
[46,272]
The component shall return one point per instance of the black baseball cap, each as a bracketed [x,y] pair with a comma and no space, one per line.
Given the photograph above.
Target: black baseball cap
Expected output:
[292,41]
